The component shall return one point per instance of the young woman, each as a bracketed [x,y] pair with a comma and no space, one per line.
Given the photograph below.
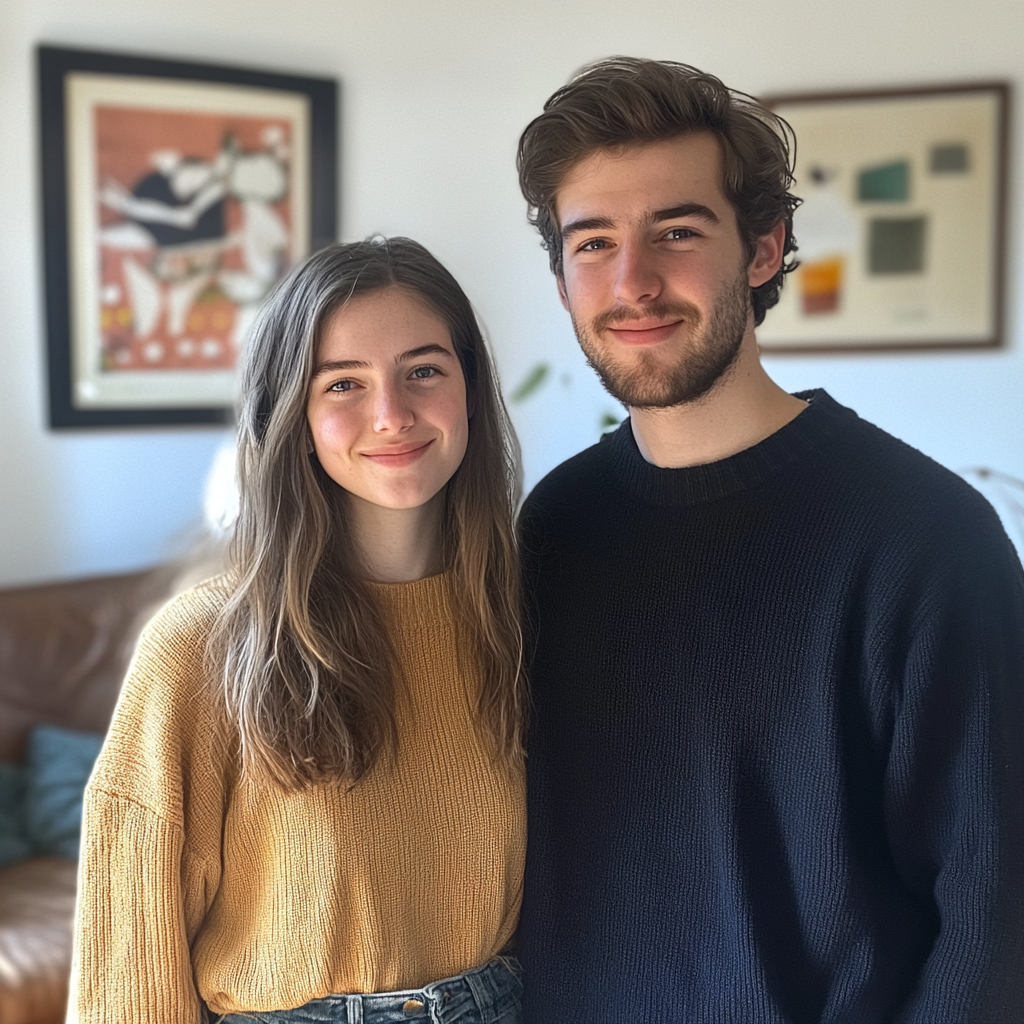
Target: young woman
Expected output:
[310,803]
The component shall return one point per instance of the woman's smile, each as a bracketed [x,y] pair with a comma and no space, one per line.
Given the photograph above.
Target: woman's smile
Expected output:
[387,408]
[398,455]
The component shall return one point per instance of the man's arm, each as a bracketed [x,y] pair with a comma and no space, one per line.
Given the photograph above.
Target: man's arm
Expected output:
[955,779]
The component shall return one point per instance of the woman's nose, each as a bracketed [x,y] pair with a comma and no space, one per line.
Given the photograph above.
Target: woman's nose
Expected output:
[392,410]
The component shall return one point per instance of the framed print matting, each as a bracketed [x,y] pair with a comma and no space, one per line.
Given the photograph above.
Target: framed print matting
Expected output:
[901,232]
[175,197]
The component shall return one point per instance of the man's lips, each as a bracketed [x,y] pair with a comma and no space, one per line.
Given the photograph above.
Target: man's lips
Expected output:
[643,333]
[397,455]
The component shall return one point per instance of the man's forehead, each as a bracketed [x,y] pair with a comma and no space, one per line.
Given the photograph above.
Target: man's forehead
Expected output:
[644,177]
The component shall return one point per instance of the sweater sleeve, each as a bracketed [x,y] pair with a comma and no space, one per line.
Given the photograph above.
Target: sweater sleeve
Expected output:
[131,956]
[955,780]
[151,833]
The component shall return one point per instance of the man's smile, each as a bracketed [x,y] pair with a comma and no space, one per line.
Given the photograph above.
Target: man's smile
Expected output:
[644,332]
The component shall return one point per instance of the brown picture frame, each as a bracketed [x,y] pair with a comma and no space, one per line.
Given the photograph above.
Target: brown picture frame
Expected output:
[902,230]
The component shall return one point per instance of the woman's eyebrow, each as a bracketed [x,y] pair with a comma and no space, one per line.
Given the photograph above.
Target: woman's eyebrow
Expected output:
[424,350]
[334,365]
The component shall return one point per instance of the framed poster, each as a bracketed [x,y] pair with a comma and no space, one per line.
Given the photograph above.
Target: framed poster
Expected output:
[901,233]
[175,197]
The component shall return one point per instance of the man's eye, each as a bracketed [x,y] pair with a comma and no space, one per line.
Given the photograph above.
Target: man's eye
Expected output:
[681,234]
[593,245]
[424,372]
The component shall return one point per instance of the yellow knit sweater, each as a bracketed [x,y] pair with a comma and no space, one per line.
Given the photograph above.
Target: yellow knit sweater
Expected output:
[195,886]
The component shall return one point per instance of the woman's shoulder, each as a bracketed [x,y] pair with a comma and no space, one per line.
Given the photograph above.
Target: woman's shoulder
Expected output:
[178,631]
[165,715]
[168,672]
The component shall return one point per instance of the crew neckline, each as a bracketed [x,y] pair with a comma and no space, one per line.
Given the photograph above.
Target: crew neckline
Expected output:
[694,485]
[423,601]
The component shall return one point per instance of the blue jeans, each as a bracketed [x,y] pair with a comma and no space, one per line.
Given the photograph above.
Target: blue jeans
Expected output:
[485,995]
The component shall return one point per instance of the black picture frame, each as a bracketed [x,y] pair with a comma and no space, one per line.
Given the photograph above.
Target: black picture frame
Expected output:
[60,70]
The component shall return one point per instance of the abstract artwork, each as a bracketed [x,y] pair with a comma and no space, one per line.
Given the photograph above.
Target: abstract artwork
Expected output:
[901,230]
[176,197]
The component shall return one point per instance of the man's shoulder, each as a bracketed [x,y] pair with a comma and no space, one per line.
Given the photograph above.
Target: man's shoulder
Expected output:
[852,472]
[570,483]
[901,480]
[873,496]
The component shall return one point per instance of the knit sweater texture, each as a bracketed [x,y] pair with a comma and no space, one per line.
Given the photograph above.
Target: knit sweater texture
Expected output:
[776,760]
[197,886]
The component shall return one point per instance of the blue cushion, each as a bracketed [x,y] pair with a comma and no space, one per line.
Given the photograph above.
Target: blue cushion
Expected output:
[59,763]
[14,844]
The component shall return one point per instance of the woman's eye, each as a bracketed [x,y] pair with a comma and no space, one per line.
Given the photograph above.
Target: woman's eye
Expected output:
[342,386]
[424,372]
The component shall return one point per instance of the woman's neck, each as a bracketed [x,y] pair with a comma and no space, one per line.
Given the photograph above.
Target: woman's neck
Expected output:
[397,545]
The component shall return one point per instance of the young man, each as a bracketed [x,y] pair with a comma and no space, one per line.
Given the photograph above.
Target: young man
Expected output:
[777,753]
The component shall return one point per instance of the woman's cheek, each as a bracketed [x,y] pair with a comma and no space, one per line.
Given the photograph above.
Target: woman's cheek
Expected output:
[335,428]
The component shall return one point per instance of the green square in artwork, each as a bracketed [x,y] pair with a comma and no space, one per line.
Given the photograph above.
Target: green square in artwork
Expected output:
[889,183]
[896,245]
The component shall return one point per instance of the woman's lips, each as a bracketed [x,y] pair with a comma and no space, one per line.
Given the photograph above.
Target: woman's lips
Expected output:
[396,456]
[640,335]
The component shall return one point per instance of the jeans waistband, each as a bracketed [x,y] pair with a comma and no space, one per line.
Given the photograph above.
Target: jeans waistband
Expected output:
[484,995]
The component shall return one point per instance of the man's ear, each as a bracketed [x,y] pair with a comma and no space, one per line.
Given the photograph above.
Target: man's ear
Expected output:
[767,256]
[560,281]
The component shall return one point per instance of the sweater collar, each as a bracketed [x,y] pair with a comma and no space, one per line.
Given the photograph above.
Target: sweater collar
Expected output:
[419,603]
[695,485]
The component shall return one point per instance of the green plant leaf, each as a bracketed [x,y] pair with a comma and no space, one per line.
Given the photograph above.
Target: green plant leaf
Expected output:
[531,382]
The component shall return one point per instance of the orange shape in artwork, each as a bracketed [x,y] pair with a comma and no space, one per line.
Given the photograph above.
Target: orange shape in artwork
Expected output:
[821,284]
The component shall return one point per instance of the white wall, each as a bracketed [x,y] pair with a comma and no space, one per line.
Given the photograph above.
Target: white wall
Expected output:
[435,94]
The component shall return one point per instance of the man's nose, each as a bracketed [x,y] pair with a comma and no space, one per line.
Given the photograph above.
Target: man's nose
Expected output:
[638,278]
[392,411]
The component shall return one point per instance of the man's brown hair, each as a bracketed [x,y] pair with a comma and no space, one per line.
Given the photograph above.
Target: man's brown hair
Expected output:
[624,101]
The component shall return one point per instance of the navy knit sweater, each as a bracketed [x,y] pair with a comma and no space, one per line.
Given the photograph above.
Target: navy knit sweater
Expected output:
[776,762]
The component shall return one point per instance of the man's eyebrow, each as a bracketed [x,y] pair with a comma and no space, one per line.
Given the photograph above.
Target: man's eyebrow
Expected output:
[587,224]
[336,365]
[698,210]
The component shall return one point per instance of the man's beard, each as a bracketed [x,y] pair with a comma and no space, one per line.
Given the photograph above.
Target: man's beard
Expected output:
[710,350]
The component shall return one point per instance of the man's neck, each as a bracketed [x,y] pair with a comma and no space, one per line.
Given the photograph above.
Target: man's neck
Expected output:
[397,545]
[741,410]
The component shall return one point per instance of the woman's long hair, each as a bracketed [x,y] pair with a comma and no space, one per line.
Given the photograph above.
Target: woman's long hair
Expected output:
[307,673]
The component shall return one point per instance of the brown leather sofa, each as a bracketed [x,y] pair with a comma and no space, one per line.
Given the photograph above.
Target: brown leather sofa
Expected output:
[63,651]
